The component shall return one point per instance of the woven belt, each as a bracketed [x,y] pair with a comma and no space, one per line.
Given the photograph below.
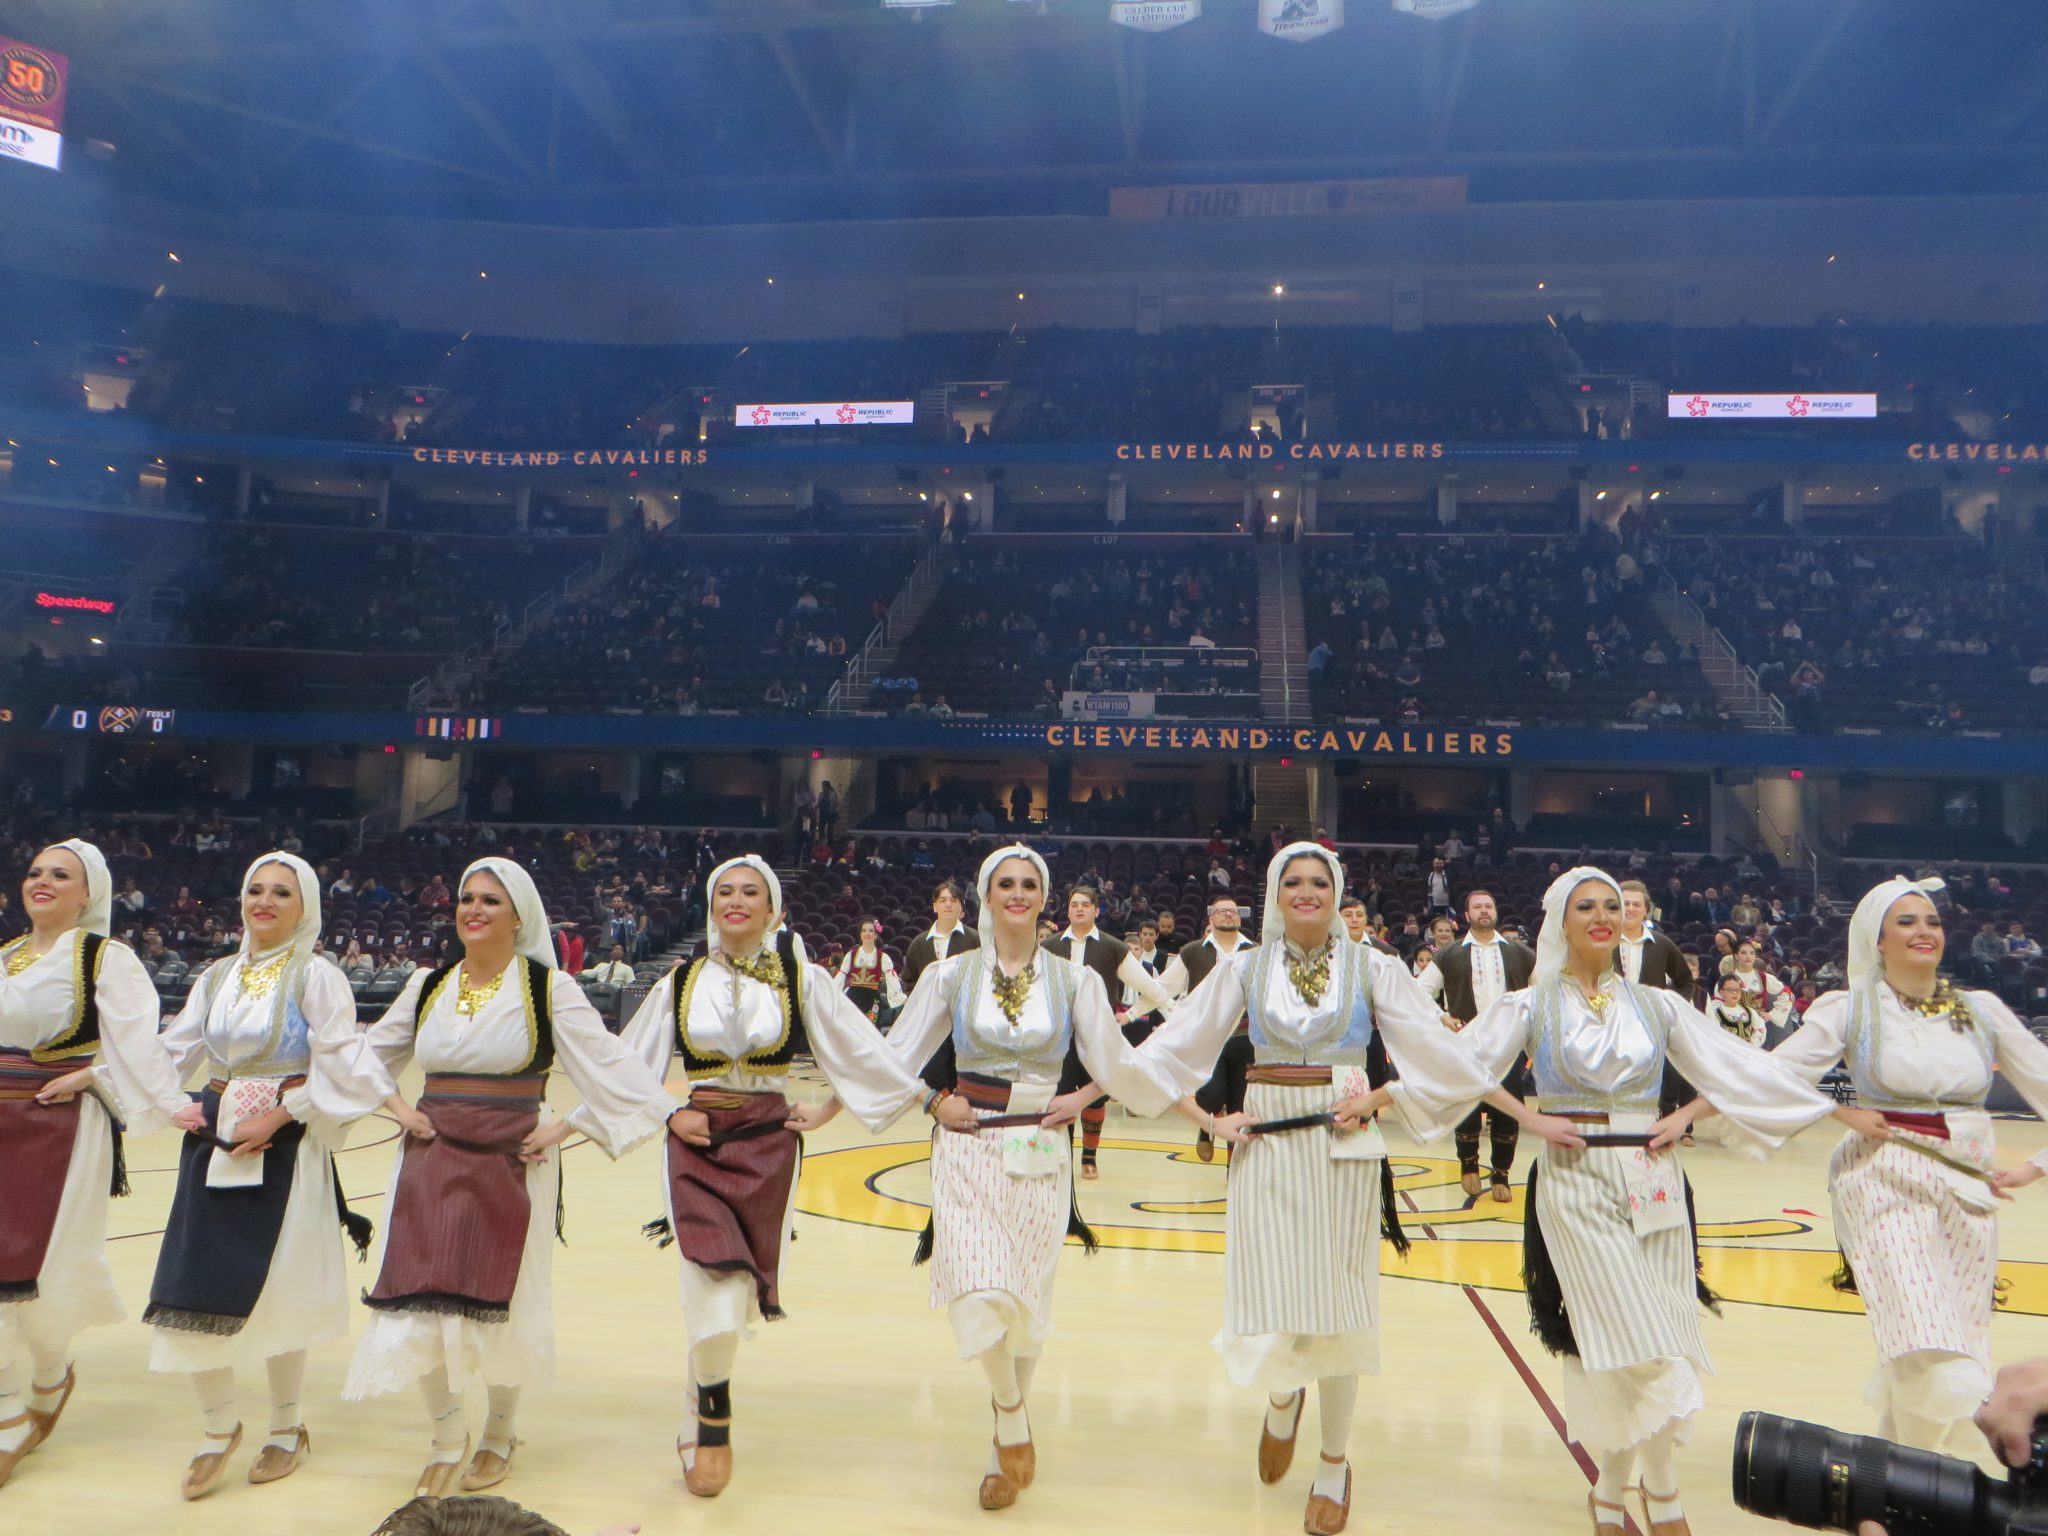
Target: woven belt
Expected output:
[284,1086]
[984,1092]
[1921,1123]
[1286,1076]
[23,1077]
[1581,1116]
[459,1085]
[720,1098]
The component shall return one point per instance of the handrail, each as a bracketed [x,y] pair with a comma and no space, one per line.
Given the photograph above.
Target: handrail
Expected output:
[929,570]
[1742,676]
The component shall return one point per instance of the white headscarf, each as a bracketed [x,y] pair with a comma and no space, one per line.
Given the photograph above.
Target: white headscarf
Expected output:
[533,938]
[1273,928]
[1552,948]
[985,920]
[760,867]
[99,886]
[307,933]
[1866,966]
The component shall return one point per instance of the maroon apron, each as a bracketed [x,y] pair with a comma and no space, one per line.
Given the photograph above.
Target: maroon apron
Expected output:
[731,1199]
[35,1150]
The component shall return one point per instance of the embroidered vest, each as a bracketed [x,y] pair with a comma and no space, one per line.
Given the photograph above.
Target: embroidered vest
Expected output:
[81,1036]
[1866,1048]
[974,1052]
[287,1050]
[774,1060]
[535,997]
[1562,1094]
[1343,1038]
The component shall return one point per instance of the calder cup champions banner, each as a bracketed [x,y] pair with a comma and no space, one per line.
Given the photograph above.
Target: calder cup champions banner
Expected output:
[31,103]
[1153,15]
[1300,21]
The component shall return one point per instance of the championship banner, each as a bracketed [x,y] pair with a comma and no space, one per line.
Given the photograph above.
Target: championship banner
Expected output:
[1153,15]
[1290,199]
[834,413]
[1770,407]
[1300,21]
[1434,10]
[31,103]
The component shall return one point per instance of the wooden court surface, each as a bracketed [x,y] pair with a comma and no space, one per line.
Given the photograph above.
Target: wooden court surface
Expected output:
[853,1414]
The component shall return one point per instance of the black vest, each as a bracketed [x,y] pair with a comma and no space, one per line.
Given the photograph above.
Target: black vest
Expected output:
[777,1057]
[924,953]
[83,1037]
[1101,954]
[1454,964]
[536,978]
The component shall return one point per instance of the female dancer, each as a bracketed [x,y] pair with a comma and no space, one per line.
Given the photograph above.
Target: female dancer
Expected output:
[1018,1031]
[734,1013]
[251,1264]
[1915,1213]
[1307,1207]
[868,976]
[68,994]
[465,1291]
[1609,1253]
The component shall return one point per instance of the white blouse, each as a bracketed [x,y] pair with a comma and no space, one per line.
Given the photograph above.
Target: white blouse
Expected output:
[1923,1058]
[36,1009]
[1148,1080]
[623,1104]
[224,1030]
[1440,1080]
[1605,1052]
[865,1076]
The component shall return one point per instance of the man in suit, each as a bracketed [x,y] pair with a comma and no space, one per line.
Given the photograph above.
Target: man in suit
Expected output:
[947,936]
[1112,960]
[1224,1092]
[1647,956]
[1466,978]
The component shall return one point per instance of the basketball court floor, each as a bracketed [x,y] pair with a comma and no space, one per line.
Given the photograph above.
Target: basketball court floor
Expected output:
[853,1415]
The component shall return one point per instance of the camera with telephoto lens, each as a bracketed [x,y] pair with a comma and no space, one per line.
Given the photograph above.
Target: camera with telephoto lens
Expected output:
[1808,1474]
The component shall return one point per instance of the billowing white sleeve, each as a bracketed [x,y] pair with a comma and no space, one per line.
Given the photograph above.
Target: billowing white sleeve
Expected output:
[1145,1082]
[924,1020]
[133,1067]
[1813,1049]
[651,1033]
[1442,1076]
[623,1103]
[1132,973]
[1768,1098]
[392,1036]
[866,1076]
[1182,1052]
[345,1080]
[1500,1035]
[2020,1056]
[1431,980]
[1173,978]
[184,1038]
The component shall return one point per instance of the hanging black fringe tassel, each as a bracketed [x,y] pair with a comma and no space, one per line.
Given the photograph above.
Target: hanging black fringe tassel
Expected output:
[118,1187]
[924,1244]
[360,1229]
[560,1216]
[1705,1292]
[660,1232]
[1548,1319]
[1390,1213]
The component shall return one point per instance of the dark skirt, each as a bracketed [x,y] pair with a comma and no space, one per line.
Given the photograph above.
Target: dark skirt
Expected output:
[35,1150]
[460,1211]
[218,1245]
[731,1200]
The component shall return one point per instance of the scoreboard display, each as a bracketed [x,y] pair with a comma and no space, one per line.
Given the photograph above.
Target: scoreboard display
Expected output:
[31,103]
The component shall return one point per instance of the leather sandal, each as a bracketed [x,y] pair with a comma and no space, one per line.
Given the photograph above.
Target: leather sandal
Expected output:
[1678,1527]
[273,1463]
[1019,1462]
[1324,1516]
[9,1460]
[47,1422]
[438,1477]
[1602,1527]
[1205,1146]
[207,1468]
[487,1468]
[1470,1183]
[1503,1188]
[1276,1455]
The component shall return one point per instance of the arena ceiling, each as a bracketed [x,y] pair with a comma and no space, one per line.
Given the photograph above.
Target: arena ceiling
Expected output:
[638,112]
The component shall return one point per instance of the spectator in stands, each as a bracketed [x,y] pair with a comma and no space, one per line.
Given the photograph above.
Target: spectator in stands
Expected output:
[1987,951]
[828,811]
[129,901]
[569,948]
[356,965]
[1440,888]
[1557,677]
[435,895]
[373,891]
[614,972]
[941,710]
[1646,708]
[2017,943]
[400,961]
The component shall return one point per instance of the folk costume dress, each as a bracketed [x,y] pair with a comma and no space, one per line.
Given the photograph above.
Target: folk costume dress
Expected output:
[87,1002]
[734,1022]
[466,1279]
[1919,1237]
[252,1261]
[868,977]
[1610,1255]
[1304,1220]
[1002,1199]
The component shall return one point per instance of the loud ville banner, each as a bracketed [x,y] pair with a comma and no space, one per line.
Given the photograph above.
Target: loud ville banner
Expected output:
[1392,743]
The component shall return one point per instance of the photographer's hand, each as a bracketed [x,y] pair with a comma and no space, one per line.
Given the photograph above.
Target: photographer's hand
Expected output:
[2018,1397]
